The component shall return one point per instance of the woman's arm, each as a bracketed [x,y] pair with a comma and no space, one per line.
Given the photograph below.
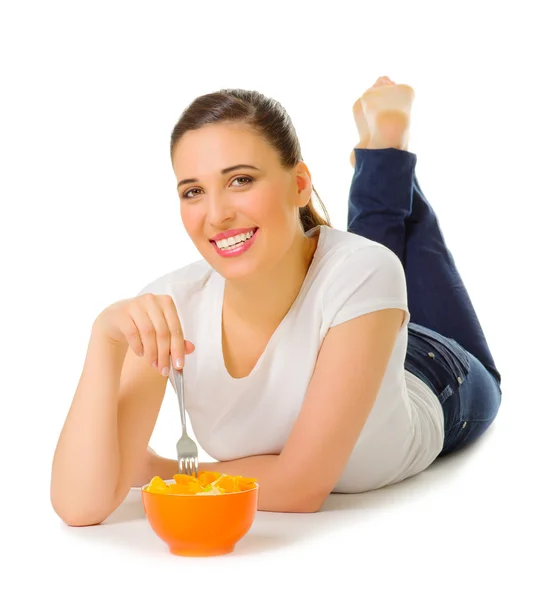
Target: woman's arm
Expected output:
[105,433]
[347,377]
[154,464]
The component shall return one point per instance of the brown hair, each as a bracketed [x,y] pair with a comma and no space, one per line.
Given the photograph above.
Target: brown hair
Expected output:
[266,117]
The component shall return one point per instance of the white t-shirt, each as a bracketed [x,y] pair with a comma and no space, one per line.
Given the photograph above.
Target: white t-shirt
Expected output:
[232,418]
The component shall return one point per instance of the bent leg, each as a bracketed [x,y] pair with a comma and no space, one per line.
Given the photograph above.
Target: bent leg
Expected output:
[380,197]
[386,205]
[438,295]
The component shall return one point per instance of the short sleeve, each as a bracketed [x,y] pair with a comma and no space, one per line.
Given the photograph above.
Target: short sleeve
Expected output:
[369,279]
[158,287]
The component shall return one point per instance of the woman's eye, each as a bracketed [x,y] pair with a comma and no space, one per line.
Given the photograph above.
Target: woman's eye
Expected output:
[248,179]
[185,195]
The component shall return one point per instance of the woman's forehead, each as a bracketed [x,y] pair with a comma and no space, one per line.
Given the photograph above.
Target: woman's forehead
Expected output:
[219,135]
[217,147]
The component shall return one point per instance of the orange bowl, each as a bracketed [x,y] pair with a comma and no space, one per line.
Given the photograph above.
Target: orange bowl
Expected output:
[200,525]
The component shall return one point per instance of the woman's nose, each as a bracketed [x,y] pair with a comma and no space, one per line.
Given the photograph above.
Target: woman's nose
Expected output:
[219,209]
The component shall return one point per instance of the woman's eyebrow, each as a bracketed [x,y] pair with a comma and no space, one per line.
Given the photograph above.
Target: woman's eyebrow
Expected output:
[223,172]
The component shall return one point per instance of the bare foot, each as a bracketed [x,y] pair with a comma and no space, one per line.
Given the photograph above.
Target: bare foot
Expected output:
[387,108]
[382,116]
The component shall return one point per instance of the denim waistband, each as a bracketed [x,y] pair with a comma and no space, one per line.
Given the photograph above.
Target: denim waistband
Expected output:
[439,361]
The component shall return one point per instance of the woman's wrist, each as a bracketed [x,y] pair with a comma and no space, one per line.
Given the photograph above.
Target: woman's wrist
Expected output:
[156,465]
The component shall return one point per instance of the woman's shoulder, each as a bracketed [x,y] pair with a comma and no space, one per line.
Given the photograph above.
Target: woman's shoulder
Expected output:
[193,276]
[344,248]
[361,275]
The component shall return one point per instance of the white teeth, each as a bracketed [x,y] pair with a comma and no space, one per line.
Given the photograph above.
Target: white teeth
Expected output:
[231,241]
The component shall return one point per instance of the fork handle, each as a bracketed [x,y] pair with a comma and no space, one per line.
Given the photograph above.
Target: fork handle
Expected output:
[180,390]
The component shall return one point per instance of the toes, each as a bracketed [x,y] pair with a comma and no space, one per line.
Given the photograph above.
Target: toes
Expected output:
[384,80]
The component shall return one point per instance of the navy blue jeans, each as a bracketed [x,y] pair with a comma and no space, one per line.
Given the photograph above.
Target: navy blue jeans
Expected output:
[447,348]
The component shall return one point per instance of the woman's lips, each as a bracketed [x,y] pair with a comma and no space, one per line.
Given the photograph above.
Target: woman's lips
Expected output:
[230,253]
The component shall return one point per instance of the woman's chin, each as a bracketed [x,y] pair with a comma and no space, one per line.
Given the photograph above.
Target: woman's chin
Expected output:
[237,273]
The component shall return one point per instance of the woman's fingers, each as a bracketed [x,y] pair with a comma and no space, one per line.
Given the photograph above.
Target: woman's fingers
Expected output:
[177,340]
[149,325]
[132,334]
[152,328]
[163,336]
[146,330]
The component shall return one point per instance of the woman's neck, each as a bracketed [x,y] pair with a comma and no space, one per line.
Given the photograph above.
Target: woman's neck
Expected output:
[263,303]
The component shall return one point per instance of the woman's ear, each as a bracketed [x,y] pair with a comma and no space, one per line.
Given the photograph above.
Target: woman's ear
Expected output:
[303,184]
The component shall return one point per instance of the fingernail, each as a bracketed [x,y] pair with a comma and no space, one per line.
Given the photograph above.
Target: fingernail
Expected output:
[179,363]
[155,364]
[165,371]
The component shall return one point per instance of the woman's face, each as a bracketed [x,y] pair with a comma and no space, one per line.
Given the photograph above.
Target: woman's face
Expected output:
[261,200]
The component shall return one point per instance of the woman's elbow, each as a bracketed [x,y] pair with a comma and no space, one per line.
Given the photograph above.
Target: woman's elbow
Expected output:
[307,506]
[75,513]
[307,497]
[79,517]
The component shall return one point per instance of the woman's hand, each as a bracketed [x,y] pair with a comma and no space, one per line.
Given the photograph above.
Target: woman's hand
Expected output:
[150,326]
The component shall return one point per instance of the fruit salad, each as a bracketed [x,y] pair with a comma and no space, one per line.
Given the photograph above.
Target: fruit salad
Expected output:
[208,483]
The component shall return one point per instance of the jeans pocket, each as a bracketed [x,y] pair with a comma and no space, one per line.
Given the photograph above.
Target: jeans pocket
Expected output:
[451,356]
[426,359]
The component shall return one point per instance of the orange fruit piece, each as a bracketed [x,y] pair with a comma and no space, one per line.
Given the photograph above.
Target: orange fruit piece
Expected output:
[157,485]
[246,485]
[182,479]
[205,477]
[228,484]
[191,487]
[187,484]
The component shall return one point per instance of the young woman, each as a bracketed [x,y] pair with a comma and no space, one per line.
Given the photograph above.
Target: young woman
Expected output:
[315,360]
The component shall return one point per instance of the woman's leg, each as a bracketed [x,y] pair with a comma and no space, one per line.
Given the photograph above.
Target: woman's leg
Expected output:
[387,205]
[439,296]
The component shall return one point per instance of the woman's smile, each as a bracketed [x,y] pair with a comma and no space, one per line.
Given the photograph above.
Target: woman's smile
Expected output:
[235,245]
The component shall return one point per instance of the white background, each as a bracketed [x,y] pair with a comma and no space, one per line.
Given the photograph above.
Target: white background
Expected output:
[89,215]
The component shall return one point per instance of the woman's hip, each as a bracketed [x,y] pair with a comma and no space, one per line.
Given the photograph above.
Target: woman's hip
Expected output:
[469,394]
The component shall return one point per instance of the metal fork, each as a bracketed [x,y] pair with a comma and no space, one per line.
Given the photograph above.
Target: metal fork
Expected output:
[187,450]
